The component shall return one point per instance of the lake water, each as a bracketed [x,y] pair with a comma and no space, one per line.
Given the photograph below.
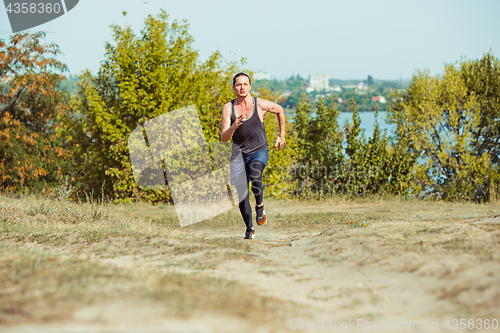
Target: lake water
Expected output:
[367,121]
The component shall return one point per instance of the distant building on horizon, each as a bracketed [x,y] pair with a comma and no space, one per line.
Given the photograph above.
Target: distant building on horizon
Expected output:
[380,99]
[361,87]
[285,94]
[261,75]
[319,82]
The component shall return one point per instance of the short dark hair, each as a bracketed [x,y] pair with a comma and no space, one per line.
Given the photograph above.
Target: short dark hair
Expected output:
[241,74]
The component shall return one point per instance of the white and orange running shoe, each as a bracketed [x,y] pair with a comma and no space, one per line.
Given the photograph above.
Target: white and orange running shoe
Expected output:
[260,215]
[250,234]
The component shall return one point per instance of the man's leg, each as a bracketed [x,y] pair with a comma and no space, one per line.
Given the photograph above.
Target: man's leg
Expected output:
[255,175]
[245,209]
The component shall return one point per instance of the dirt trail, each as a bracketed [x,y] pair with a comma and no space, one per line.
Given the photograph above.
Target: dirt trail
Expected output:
[328,280]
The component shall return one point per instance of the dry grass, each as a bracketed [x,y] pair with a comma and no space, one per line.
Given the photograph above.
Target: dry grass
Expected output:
[41,286]
[38,285]
[59,255]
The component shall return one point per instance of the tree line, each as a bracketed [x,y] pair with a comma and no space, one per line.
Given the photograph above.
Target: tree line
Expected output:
[290,91]
[446,144]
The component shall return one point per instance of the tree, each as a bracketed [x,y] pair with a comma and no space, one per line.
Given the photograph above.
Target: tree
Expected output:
[302,126]
[141,78]
[482,79]
[374,165]
[438,117]
[32,154]
[355,179]
[279,167]
[319,157]
[326,148]
[375,161]
[396,172]
[302,133]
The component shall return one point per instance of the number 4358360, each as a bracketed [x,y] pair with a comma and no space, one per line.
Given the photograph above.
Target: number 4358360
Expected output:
[471,324]
[33,8]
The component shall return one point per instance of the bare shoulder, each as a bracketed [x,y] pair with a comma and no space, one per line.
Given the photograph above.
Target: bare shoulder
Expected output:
[263,103]
[268,106]
[226,116]
[226,109]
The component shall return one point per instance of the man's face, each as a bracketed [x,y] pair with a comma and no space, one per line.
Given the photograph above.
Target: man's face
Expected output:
[242,86]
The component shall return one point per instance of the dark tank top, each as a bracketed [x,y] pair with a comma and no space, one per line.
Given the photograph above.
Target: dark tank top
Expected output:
[251,135]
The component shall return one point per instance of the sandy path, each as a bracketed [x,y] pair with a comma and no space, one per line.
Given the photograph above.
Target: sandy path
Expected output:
[342,292]
[402,288]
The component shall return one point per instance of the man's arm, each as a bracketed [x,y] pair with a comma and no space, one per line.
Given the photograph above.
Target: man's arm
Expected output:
[227,129]
[268,106]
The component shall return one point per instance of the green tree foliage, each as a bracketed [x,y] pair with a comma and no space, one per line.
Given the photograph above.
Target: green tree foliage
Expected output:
[327,144]
[439,116]
[482,79]
[319,157]
[142,77]
[376,160]
[376,165]
[302,126]
[280,164]
[356,151]
[32,155]
[302,131]
[396,171]
[366,166]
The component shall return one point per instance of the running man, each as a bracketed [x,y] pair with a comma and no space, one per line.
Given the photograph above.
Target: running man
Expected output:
[243,121]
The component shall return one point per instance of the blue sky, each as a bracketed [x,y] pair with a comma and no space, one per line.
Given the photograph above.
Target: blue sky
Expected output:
[343,39]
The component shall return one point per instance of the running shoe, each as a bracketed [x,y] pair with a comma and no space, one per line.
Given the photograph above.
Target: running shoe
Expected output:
[250,234]
[260,215]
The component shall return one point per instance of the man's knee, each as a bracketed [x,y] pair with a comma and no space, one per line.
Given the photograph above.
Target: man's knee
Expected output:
[256,169]
[255,179]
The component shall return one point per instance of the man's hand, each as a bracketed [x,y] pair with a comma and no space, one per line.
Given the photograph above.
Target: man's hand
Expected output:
[280,142]
[237,123]
[272,107]
[227,130]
